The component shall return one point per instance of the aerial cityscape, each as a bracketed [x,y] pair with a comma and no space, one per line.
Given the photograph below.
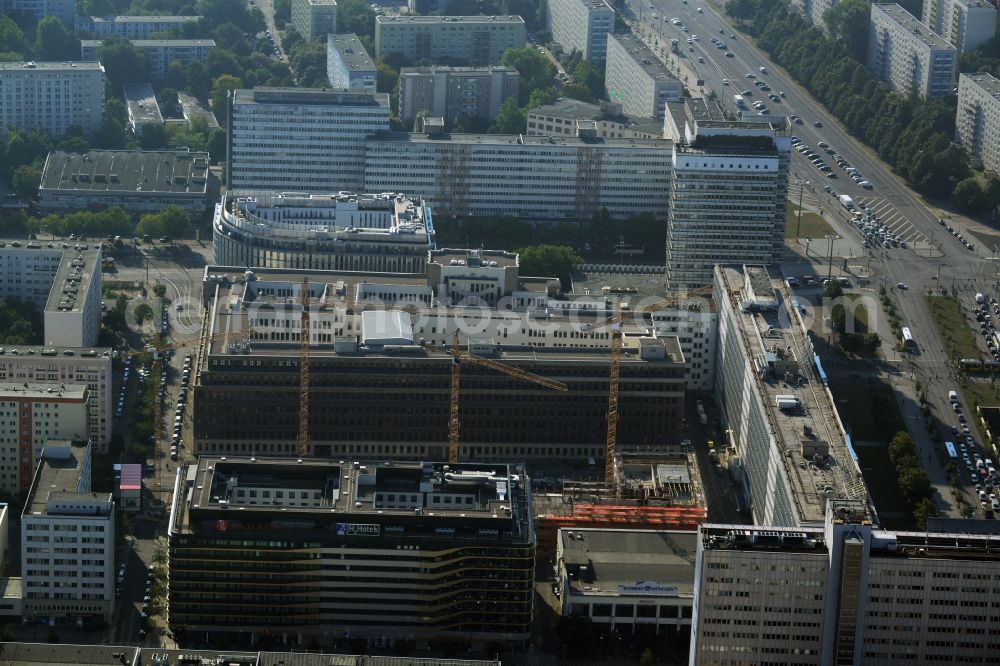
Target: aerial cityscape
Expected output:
[508,332]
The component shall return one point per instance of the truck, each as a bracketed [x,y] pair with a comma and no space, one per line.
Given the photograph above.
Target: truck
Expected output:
[786,402]
[980,299]
[740,102]
[846,201]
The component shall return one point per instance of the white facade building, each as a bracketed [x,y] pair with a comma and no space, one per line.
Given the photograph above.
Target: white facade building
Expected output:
[635,78]
[844,592]
[67,541]
[567,116]
[476,40]
[132,27]
[535,177]
[64,10]
[314,18]
[159,52]
[905,54]
[452,92]
[977,124]
[64,283]
[30,416]
[346,232]
[58,366]
[348,65]
[967,24]
[582,25]
[728,193]
[51,96]
[301,140]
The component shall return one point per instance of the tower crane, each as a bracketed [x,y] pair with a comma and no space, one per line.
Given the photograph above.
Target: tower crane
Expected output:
[617,342]
[459,357]
[303,444]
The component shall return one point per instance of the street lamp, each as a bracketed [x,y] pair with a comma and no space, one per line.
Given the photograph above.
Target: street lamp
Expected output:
[802,183]
[829,274]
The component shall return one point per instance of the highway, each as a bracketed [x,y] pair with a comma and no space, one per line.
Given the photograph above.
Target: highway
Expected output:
[934,260]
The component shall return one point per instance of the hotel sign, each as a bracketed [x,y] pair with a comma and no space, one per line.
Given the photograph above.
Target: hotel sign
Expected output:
[358,529]
[649,587]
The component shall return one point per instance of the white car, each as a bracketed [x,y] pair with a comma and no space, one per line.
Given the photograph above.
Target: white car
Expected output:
[725,82]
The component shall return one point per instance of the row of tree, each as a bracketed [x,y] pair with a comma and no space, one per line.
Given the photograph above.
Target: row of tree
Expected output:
[914,484]
[20,323]
[911,134]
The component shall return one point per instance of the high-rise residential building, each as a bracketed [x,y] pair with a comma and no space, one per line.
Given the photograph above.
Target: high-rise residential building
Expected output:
[348,64]
[453,92]
[63,283]
[373,331]
[977,123]
[792,454]
[67,541]
[908,55]
[844,592]
[582,26]
[728,193]
[159,52]
[64,10]
[51,96]
[327,551]
[543,177]
[567,116]
[54,367]
[380,233]
[302,140]
[635,78]
[314,18]
[967,24]
[474,40]
[30,416]
[132,27]
[99,179]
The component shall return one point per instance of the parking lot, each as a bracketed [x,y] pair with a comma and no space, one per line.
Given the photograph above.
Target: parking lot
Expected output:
[891,220]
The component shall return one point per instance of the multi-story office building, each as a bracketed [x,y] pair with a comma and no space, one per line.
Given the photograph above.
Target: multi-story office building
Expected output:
[582,26]
[159,52]
[300,140]
[632,582]
[967,24]
[473,40]
[63,283]
[314,18]
[792,455]
[977,123]
[51,96]
[55,367]
[452,92]
[67,541]
[132,27]
[380,233]
[327,551]
[535,177]
[374,331]
[137,181]
[348,64]
[64,10]
[635,78]
[567,116]
[143,109]
[844,592]
[30,416]
[727,195]
[907,55]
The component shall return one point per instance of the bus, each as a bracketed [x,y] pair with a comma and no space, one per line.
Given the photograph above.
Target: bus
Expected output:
[952,453]
[908,340]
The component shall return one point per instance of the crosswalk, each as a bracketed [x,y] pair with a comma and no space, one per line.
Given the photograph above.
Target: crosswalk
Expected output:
[894,221]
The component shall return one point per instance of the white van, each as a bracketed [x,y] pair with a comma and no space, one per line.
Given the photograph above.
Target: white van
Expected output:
[953,396]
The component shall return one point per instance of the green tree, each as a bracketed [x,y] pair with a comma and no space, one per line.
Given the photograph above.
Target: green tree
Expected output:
[387,77]
[915,485]
[848,22]
[216,146]
[153,137]
[308,60]
[510,120]
[833,290]
[356,16]
[25,181]
[542,96]
[20,323]
[838,318]
[123,62]
[971,197]
[924,509]
[222,87]
[55,42]
[12,38]
[535,69]
[172,221]
[549,261]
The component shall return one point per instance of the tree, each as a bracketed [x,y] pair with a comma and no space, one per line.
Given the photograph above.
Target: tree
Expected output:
[847,22]
[25,181]
[549,261]
[123,62]
[915,485]
[11,38]
[20,323]
[55,42]
[969,196]
[356,16]
[542,96]
[838,318]
[222,87]
[387,77]
[535,69]
[924,509]
[833,290]
[172,221]
[153,137]
[510,120]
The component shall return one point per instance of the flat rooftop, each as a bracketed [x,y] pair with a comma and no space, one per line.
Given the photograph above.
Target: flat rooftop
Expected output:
[428,20]
[776,339]
[135,18]
[154,43]
[42,391]
[515,139]
[575,109]
[127,172]
[44,350]
[78,265]
[485,70]
[32,66]
[446,256]
[985,81]
[193,109]
[640,285]
[58,480]
[352,52]
[612,562]
[643,57]
[913,26]
[142,105]
[44,654]
[310,97]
